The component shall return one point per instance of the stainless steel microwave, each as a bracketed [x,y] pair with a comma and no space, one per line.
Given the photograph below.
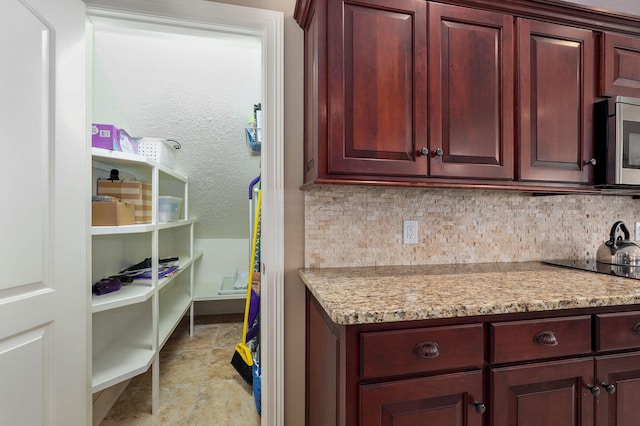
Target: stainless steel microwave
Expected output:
[617,142]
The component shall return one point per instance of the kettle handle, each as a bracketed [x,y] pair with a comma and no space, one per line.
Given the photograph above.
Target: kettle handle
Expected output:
[614,230]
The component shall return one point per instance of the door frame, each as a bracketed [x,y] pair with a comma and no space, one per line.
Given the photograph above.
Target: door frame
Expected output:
[269,26]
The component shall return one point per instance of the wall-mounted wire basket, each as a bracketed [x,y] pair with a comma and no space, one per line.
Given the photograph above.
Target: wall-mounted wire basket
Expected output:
[253,137]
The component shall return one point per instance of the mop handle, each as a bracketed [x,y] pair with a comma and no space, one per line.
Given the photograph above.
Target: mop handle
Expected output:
[245,326]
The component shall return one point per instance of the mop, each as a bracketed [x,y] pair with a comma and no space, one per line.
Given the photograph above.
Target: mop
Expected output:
[242,359]
[253,334]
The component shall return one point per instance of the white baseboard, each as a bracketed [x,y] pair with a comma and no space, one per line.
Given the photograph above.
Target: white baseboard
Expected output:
[213,307]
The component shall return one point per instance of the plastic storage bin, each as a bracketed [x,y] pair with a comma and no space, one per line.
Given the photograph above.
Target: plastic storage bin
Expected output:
[254,140]
[168,209]
[159,150]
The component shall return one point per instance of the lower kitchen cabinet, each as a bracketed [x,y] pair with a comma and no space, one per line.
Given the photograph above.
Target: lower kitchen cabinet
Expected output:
[578,367]
[444,400]
[601,391]
[550,394]
[370,378]
[618,377]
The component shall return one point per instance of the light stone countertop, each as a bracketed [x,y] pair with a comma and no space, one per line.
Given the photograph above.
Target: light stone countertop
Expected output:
[404,293]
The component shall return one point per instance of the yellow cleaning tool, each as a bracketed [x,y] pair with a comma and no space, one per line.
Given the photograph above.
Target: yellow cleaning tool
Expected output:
[242,360]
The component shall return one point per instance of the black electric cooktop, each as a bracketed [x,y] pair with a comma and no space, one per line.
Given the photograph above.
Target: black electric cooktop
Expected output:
[627,271]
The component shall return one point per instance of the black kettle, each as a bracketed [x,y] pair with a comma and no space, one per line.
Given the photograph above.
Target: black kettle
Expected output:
[619,250]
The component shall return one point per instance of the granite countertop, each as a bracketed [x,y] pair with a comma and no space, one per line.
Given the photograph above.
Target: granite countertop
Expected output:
[403,293]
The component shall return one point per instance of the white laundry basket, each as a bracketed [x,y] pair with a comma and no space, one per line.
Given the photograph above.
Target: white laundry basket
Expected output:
[159,150]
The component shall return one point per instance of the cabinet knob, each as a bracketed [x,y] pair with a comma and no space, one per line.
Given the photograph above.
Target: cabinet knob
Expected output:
[427,350]
[546,338]
[636,328]
[590,162]
[595,390]
[608,387]
[438,152]
[479,407]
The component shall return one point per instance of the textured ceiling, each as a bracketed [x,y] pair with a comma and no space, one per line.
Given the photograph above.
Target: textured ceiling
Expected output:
[198,88]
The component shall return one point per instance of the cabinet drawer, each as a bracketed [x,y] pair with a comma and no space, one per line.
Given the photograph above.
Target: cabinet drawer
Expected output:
[618,331]
[536,339]
[391,353]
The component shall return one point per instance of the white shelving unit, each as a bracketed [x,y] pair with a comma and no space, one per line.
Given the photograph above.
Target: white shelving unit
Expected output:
[131,325]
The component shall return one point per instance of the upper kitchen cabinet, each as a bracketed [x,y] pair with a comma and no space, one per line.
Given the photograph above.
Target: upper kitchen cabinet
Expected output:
[458,93]
[471,103]
[556,87]
[619,65]
[365,88]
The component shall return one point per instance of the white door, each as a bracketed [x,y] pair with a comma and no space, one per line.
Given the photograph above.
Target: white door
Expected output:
[44,291]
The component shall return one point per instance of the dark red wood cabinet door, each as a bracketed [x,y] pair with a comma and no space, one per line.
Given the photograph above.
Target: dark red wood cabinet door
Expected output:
[322,351]
[377,86]
[550,394]
[619,65]
[556,90]
[314,85]
[444,400]
[471,90]
[618,406]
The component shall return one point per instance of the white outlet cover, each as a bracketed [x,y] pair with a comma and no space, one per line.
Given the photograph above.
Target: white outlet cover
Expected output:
[410,232]
[637,235]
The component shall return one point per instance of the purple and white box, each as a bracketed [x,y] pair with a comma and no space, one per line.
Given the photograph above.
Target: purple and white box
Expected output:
[107,136]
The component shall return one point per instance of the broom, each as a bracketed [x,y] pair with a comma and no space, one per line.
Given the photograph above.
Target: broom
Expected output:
[242,360]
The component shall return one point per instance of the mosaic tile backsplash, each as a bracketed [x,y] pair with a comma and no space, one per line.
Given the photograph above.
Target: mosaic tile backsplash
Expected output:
[362,226]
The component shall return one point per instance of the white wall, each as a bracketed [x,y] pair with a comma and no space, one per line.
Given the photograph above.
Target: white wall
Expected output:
[197,87]
[222,258]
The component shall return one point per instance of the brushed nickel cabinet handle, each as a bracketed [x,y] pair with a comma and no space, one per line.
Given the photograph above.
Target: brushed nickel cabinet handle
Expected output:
[595,390]
[608,387]
[427,350]
[546,338]
[438,152]
[479,407]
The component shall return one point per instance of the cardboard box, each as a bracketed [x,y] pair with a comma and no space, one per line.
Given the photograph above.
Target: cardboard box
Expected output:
[107,136]
[112,213]
[134,192]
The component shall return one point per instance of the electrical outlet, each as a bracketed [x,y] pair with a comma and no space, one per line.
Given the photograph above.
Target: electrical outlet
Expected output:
[637,231]
[410,232]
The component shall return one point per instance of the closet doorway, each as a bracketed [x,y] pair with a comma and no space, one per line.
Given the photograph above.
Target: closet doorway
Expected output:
[259,33]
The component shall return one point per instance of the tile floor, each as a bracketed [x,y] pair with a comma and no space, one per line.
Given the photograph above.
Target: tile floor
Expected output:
[198,385]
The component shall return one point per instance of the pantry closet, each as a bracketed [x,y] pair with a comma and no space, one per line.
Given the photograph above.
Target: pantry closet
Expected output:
[194,81]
